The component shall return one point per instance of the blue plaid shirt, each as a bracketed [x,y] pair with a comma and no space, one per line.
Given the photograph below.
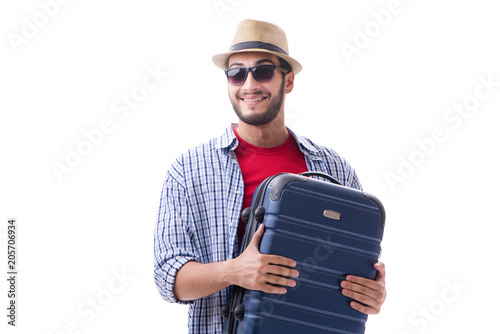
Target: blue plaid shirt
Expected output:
[199,211]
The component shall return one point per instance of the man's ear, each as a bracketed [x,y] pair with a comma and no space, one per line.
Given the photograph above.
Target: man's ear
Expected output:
[289,82]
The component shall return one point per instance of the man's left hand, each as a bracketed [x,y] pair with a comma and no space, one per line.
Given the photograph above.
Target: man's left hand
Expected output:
[371,293]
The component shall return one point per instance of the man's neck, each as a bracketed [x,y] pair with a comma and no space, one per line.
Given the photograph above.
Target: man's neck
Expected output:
[268,135]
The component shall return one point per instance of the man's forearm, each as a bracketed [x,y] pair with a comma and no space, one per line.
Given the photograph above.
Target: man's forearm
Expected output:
[196,280]
[251,270]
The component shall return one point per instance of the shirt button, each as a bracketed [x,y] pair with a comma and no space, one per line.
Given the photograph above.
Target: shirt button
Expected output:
[238,192]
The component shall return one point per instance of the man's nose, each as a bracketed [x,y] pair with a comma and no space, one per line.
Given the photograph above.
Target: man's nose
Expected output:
[250,83]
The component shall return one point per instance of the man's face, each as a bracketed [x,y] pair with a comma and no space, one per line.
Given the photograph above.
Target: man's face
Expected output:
[257,103]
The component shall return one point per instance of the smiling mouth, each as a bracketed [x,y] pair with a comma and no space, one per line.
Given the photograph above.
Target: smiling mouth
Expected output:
[257,99]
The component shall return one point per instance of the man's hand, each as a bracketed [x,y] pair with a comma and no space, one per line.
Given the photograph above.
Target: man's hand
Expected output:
[253,270]
[371,293]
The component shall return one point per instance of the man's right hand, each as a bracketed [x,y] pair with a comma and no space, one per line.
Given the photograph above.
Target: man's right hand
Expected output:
[253,270]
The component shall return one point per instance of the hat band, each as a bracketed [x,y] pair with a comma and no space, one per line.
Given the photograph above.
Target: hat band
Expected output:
[257,45]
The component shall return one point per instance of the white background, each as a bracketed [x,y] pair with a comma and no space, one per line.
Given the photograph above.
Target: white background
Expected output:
[77,232]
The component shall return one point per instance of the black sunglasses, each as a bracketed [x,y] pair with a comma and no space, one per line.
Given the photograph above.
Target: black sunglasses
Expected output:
[261,73]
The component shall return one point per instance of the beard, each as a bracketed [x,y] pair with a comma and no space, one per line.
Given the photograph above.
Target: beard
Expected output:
[263,118]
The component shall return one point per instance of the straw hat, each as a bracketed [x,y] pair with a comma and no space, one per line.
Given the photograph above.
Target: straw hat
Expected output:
[258,36]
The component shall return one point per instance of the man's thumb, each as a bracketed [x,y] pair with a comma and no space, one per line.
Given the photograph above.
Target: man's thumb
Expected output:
[257,236]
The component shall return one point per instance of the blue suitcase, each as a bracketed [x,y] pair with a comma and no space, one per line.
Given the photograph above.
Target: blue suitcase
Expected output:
[331,231]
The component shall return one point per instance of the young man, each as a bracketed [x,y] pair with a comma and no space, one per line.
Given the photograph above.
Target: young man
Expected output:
[198,230]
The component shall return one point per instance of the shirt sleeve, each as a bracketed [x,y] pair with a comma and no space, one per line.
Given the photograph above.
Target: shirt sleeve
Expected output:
[339,168]
[173,245]
[352,179]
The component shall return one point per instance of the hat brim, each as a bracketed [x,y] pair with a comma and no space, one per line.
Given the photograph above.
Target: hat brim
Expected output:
[220,60]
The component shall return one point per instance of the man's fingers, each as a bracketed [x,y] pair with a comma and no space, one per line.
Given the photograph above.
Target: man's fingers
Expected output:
[364,309]
[380,267]
[278,271]
[268,288]
[276,260]
[361,289]
[364,282]
[264,272]
[371,305]
[283,281]
[371,293]
[273,279]
[280,261]
[273,265]
[276,284]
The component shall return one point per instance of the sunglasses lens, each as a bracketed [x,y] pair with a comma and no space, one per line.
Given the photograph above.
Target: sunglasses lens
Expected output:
[236,76]
[263,73]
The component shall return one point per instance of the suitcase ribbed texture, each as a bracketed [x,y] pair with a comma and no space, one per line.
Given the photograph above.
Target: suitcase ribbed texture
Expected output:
[331,231]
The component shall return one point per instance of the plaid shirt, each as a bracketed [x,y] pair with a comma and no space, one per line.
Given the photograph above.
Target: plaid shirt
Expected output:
[199,211]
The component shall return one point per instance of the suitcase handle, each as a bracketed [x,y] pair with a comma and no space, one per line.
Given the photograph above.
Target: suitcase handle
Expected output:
[323,175]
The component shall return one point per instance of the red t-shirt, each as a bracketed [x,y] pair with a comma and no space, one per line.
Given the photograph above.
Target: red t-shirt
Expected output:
[258,163]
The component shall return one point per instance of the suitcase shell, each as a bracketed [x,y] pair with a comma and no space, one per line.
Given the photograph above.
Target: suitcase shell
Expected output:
[331,231]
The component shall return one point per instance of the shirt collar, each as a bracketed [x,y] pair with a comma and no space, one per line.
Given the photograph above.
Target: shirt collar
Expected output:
[305,145]
[229,141]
